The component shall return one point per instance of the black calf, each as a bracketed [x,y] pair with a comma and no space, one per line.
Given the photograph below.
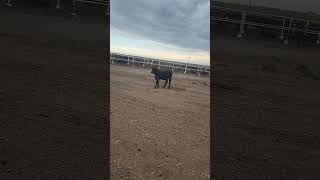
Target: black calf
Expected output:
[161,74]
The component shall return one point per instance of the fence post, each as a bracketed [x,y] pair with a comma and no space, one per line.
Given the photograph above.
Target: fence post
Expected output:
[288,31]
[306,29]
[144,61]
[128,60]
[185,69]
[58,6]
[243,19]
[198,71]
[282,30]
[74,13]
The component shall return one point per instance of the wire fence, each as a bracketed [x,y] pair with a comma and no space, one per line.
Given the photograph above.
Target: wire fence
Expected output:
[284,24]
[152,62]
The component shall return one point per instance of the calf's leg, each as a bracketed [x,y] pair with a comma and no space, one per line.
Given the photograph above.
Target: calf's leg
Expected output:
[157,81]
[165,83]
[169,83]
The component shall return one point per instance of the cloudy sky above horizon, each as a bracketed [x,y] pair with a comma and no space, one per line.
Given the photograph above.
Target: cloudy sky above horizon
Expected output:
[168,29]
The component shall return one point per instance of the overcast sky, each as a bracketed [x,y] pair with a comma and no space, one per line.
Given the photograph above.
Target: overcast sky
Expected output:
[296,5]
[167,29]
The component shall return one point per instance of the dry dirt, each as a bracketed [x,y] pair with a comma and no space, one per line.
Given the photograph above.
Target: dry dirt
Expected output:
[52,96]
[159,133]
[265,110]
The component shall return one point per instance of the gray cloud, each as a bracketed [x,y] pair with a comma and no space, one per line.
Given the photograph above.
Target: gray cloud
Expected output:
[183,23]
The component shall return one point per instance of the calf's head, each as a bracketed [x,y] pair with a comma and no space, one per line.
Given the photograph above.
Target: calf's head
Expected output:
[154,70]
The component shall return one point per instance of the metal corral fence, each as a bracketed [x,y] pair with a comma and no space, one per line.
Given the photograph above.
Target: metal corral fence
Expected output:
[148,62]
[59,3]
[105,3]
[283,24]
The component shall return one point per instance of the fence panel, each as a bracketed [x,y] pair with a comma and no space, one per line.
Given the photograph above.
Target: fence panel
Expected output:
[149,62]
[285,25]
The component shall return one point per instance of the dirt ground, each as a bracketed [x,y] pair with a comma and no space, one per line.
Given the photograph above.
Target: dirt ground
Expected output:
[265,110]
[52,96]
[159,133]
